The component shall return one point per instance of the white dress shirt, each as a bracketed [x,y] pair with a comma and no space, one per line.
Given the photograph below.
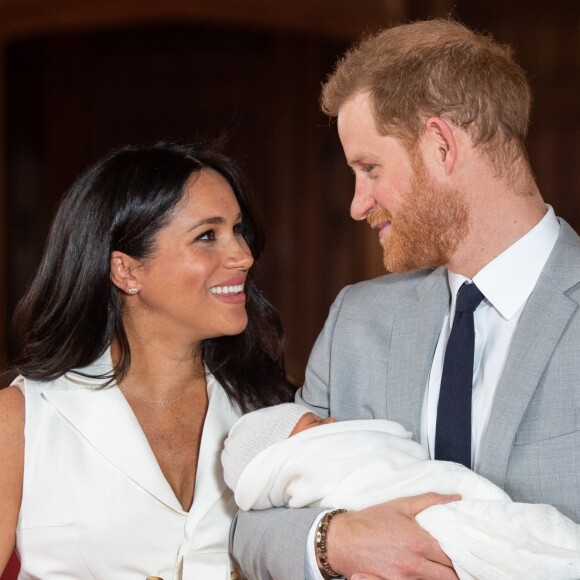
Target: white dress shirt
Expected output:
[506,283]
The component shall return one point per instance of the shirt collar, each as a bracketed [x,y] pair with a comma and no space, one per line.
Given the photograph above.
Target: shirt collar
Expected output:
[509,279]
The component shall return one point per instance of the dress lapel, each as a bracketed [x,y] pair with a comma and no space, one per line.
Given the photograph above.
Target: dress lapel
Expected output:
[416,328]
[209,484]
[105,419]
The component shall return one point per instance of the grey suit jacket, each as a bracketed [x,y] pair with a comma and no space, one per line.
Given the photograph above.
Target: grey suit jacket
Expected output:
[373,358]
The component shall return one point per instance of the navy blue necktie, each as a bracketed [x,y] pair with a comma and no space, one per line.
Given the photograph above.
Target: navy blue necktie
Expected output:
[453,432]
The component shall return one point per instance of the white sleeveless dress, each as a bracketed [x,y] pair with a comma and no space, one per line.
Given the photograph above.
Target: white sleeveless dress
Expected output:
[95,503]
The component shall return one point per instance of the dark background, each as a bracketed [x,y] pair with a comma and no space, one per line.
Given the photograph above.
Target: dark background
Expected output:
[78,79]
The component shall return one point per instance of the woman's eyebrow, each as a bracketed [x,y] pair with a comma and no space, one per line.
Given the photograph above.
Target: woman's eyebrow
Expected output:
[207,221]
[215,220]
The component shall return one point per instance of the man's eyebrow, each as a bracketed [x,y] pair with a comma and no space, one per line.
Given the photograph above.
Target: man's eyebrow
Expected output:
[361,160]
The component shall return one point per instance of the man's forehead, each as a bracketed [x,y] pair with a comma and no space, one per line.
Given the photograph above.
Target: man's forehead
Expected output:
[358,104]
[356,122]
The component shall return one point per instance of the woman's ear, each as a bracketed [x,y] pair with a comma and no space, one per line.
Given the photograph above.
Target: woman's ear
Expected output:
[122,276]
[440,140]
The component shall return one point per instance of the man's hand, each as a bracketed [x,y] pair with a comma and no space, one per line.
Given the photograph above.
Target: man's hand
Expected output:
[385,542]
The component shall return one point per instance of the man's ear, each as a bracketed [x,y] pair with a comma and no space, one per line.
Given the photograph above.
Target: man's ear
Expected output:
[440,143]
[122,272]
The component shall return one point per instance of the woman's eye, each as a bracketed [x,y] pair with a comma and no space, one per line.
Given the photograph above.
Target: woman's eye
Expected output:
[369,168]
[239,228]
[207,236]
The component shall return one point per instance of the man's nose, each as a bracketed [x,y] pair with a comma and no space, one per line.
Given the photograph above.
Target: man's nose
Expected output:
[362,202]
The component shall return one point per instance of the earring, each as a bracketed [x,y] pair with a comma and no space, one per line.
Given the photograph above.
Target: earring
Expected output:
[133,290]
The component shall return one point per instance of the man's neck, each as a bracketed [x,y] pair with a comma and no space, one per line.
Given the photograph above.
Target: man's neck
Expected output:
[500,214]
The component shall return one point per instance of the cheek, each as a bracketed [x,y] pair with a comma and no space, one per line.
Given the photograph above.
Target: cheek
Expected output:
[390,190]
[195,272]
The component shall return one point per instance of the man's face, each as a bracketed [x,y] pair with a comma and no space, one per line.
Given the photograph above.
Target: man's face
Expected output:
[420,222]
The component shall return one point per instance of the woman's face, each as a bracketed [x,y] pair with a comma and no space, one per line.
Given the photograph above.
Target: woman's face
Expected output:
[193,284]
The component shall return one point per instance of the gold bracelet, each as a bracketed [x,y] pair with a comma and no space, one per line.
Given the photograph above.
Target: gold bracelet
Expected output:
[321,532]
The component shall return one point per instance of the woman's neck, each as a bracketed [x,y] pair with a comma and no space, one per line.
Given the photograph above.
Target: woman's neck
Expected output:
[159,371]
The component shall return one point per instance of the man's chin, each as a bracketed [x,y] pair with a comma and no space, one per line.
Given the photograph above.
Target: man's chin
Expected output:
[394,259]
[397,263]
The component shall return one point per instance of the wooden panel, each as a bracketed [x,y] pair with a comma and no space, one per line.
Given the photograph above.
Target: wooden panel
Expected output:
[257,75]
[337,19]
[71,124]
[3,221]
[73,98]
[545,39]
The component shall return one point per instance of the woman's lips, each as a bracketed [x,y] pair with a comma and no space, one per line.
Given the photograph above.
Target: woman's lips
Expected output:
[230,292]
[238,298]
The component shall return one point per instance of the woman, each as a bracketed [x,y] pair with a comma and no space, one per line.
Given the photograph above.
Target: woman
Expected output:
[143,338]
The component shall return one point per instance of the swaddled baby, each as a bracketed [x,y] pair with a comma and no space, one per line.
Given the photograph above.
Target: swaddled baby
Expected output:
[288,456]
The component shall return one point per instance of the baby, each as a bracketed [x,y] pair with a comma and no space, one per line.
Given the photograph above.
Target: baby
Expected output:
[288,456]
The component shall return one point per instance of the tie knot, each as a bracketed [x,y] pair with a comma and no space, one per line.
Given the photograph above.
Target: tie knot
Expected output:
[468,298]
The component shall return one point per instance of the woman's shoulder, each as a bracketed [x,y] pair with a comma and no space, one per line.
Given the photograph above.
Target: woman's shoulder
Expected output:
[11,418]
[11,391]
[12,461]
[11,401]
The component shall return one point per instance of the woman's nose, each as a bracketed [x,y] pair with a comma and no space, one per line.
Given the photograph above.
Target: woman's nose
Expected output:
[241,255]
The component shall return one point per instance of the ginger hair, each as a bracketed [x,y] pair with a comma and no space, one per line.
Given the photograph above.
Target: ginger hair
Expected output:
[443,69]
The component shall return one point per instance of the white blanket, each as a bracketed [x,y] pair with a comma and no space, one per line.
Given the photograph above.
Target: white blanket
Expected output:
[355,464]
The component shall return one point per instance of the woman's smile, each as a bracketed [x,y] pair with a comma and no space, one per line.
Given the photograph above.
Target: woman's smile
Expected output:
[230,292]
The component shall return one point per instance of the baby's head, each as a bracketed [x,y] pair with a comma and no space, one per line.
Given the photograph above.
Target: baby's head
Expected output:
[257,430]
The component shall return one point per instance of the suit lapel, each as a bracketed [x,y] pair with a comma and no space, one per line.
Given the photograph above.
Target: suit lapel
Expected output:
[543,321]
[416,329]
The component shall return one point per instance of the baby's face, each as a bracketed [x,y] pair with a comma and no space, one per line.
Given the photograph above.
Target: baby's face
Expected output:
[309,420]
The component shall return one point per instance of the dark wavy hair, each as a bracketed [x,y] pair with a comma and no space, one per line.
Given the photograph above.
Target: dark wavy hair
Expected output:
[72,311]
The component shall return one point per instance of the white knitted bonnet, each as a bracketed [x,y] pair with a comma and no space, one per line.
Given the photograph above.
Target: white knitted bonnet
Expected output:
[254,432]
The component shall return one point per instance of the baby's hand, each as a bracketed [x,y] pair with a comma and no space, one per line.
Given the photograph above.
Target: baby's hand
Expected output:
[309,420]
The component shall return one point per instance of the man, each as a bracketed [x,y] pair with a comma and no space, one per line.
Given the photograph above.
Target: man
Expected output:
[432,119]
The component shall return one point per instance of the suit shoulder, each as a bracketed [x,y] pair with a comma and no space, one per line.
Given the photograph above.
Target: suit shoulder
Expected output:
[391,283]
